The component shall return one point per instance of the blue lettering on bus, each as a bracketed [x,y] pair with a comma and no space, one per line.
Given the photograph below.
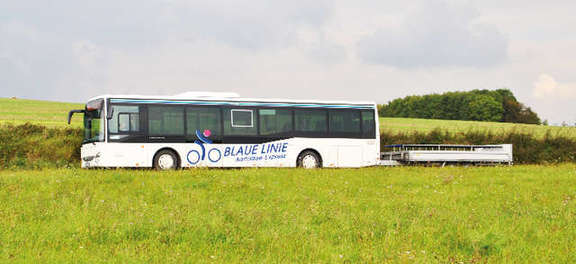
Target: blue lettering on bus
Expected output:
[257,152]
[254,150]
[240,151]
[227,152]
[248,152]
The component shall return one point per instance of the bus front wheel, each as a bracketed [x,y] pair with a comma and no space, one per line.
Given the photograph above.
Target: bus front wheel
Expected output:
[166,160]
[309,159]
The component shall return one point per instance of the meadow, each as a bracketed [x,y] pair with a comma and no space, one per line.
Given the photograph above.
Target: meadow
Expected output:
[60,213]
[411,125]
[520,214]
[47,113]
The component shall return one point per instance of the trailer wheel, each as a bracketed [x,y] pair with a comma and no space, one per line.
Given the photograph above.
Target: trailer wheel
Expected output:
[309,159]
[166,160]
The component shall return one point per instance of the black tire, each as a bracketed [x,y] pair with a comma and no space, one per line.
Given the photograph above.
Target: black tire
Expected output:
[162,160]
[306,157]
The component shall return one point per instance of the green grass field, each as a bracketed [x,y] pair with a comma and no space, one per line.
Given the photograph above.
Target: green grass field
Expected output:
[408,125]
[521,214]
[54,114]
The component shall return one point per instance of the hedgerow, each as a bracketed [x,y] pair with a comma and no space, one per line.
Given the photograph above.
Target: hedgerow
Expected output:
[36,146]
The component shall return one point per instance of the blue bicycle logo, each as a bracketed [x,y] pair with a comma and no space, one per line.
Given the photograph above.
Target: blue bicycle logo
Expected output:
[195,156]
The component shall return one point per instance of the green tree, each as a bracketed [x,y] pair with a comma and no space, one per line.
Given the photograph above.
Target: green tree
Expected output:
[485,108]
[483,105]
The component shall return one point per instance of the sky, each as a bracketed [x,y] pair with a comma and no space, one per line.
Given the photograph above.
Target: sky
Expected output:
[375,50]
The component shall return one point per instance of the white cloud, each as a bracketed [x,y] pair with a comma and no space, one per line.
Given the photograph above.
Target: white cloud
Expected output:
[71,50]
[437,34]
[33,64]
[81,49]
[547,87]
[249,24]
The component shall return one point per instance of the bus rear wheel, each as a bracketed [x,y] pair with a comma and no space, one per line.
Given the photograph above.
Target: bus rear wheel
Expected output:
[166,160]
[309,160]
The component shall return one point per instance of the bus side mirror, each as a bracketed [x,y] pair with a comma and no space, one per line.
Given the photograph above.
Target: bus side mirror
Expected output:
[72,112]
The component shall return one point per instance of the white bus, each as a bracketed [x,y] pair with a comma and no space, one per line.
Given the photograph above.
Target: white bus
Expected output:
[223,130]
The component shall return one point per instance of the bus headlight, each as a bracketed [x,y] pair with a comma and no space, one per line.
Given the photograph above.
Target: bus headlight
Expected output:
[90,158]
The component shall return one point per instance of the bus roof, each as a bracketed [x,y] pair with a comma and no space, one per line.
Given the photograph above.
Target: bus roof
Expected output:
[226,97]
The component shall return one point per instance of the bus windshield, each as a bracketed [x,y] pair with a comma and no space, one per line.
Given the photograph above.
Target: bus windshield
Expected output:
[93,123]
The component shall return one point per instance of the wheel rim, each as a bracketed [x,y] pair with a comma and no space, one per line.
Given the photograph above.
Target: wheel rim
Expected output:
[309,162]
[166,161]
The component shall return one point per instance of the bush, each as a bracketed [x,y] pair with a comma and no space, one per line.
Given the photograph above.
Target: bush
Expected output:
[35,146]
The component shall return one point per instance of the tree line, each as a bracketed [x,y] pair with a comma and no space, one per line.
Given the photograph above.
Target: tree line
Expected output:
[480,105]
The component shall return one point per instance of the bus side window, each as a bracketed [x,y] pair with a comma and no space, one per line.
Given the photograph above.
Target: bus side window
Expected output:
[166,120]
[311,121]
[368,124]
[204,119]
[240,122]
[345,123]
[128,122]
[275,122]
[125,119]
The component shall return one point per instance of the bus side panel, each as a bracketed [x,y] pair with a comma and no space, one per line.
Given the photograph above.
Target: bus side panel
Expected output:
[282,153]
[371,152]
[377,141]
[195,155]
[113,155]
[326,147]
[270,154]
[354,153]
[333,152]
[340,152]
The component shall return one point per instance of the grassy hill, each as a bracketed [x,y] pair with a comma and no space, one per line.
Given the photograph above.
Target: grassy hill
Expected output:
[54,114]
[374,215]
[408,125]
